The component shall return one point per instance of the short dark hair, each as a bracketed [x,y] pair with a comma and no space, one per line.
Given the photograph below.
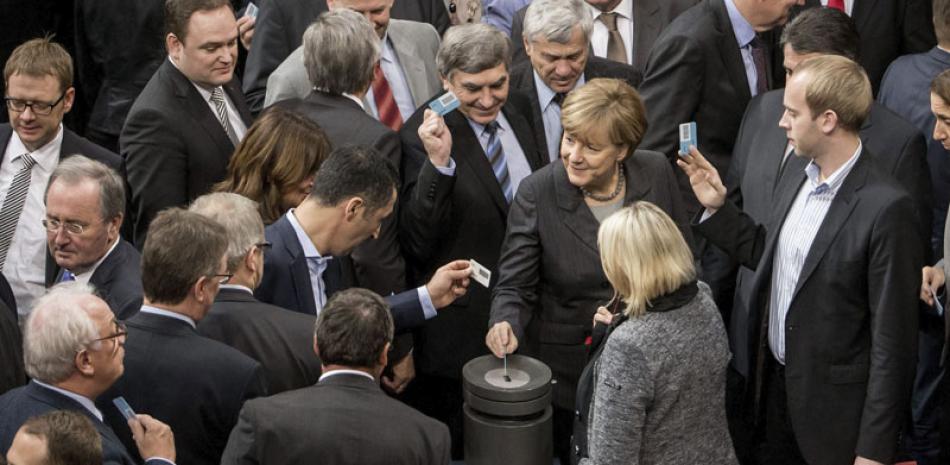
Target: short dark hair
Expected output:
[942,20]
[38,58]
[355,171]
[178,12]
[181,247]
[828,31]
[71,438]
[941,86]
[353,329]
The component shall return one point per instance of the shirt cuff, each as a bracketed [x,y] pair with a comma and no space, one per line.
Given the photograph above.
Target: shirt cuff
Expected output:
[706,215]
[447,170]
[158,459]
[428,309]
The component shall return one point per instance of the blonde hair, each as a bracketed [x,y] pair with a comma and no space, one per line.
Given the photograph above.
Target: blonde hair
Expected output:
[644,255]
[838,84]
[610,104]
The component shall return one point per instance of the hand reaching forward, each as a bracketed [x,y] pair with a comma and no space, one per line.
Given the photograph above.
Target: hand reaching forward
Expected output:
[703,177]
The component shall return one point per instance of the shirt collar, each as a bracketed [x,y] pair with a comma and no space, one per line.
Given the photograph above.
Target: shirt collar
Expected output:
[86,403]
[237,287]
[309,249]
[162,312]
[92,269]
[480,128]
[833,182]
[46,156]
[545,94]
[345,372]
[744,31]
[623,9]
[386,51]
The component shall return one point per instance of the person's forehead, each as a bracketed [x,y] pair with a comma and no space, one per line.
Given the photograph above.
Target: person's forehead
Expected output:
[27,449]
[218,24]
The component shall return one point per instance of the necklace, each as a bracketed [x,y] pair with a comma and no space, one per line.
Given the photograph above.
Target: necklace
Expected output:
[621,181]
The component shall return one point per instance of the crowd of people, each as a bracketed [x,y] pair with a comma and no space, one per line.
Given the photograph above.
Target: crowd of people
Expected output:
[247,222]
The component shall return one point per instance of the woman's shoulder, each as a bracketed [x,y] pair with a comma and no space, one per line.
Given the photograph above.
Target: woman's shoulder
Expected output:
[649,159]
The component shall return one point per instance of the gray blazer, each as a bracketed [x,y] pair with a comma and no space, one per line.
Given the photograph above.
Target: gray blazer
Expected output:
[415,44]
[662,379]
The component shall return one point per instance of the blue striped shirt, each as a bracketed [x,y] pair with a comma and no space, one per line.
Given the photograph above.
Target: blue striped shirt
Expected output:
[798,232]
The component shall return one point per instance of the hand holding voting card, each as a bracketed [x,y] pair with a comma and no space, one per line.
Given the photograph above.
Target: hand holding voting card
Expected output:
[124,408]
[687,137]
[480,274]
[444,104]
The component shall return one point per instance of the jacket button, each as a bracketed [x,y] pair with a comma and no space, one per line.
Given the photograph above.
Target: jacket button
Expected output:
[789,328]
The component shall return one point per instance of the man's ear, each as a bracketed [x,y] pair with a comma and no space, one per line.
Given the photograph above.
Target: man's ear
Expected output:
[83,363]
[384,356]
[352,208]
[173,46]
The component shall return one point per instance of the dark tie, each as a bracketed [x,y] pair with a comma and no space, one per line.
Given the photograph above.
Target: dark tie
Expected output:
[217,98]
[615,49]
[13,204]
[836,4]
[385,102]
[757,47]
[496,156]
[559,98]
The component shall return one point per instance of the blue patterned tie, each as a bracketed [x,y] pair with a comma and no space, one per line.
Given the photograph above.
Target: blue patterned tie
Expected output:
[496,156]
[67,277]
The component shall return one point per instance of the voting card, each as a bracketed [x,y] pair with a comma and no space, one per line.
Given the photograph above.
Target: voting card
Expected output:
[687,137]
[938,307]
[251,10]
[480,274]
[444,104]
[124,408]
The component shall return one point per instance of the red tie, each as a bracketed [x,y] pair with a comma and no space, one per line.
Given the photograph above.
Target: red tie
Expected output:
[836,4]
[385,103]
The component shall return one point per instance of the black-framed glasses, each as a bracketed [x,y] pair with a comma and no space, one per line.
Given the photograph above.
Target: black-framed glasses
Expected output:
[39,108]
[53,225]
[223,278]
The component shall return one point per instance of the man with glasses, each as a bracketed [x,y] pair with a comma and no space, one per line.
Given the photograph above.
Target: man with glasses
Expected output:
[195,384]
[85,202]
[38,78]
[73,348]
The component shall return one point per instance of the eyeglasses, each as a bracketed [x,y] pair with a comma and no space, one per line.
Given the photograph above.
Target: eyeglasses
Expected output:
[39,108]
[120,331]
[224,277]
[263,245]
[73,228]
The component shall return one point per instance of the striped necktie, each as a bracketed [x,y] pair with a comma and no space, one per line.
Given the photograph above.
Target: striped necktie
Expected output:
[496,156]
[13,205]
[385,101]
[217,98]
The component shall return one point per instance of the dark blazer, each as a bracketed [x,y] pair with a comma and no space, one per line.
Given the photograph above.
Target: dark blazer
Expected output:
[344,420]
[281,340]
[887,30]
[695,73]
[522,79]
[118,280]
[457,217]
[11,351]
[650,18]
[851,327]
[19,405]
[379,265]
[281,24]
[550,280]
[194,384]
[286,281]
[174,146]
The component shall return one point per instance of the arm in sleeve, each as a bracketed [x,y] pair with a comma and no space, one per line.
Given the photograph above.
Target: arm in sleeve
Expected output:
[426,199]
[268,50]
[241,448]
[735,233]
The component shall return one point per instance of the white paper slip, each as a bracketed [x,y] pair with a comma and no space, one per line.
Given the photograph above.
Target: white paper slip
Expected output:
[480,274]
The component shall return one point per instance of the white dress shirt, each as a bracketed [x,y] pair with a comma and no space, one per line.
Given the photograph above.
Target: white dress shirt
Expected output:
[396,77]
[599,36]
[234,118]
[25,267]
[551,114]
[518,167]
[162,312]
[345,372]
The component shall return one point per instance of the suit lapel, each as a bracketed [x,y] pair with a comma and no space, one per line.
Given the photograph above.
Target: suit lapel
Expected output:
[299,271]
[471,154]
[523,133]
[776,141]
[573,210]
[410,62]
[729,52]
[233,89]
[646,28]
[527,86]
[196,106]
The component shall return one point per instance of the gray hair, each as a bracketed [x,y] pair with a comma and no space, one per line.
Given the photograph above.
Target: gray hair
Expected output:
[340,50]
[555,20]
[57,328]
[472,48]
[77,168]
[240,217]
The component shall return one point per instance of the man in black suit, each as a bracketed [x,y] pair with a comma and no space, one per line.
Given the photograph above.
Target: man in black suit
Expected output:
[556,34]
[832,332]
[345,419]
[279,339]
[195,384]
[85,206]
[705,67]
[11,351]
[461,173]
[183,127]
[74,352]
[39,92]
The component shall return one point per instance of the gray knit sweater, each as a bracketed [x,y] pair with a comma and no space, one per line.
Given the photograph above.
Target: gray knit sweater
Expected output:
[659,395]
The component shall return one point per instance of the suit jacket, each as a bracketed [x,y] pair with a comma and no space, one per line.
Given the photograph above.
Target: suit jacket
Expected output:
[695,73]
[23,403]
[344,419]
[174,146]
[281,24]
[522,79]
[650,18]
[286,281]
[887,30]
[281,340]
[415,44]
[457,217]
[194,384]
[118,280]
[379,265]
[850,339]
[550,280]
[11,351]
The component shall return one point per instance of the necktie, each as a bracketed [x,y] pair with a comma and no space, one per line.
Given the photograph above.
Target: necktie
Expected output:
[385,102]
[217,98]
[496,156]
[13,205]
[67,277]
[559,98]
[758,59]
[615,49]
[836,4]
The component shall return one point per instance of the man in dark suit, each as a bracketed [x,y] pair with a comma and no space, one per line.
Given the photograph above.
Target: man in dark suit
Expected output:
[705,67]
[183,127]
[52,338]
[195,384]
[11,350]
[556,36]
[279,339]
[39,79]
[830,345]
[459,180]
[281,24]
[345,419]
[85,206]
